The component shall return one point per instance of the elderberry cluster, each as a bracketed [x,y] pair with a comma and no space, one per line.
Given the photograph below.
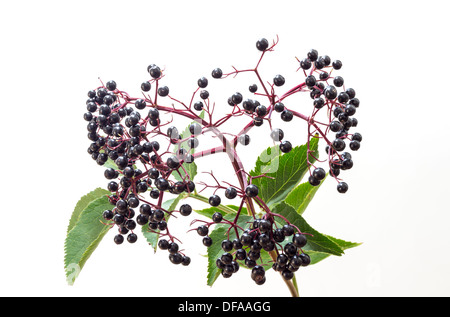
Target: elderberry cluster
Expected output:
[121,138]
[328,91]
[246,249]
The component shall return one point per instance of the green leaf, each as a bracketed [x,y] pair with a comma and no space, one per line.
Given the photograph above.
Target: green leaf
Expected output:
[110,164]
[300,197]
[85,231]
[82,203]
[317,242]
[152,237]
[283,171]
[187,171]
[319,256]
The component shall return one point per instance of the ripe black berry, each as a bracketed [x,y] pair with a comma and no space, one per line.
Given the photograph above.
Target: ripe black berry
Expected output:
[154,71]
[217,217]
[342,187]
[262,44]
[185,210]
[337,64]
[285,146]
[286,115]
[118,239]
[305,259]
[258,274]
[204,94]
[202,82]
[198,105]
[251,190]
[279,107]
[319,173]
[146,86]
[287,275]
[214,200]
[310,81]
[299,240]
[132,238]
[279,80]
[339,145]
[207,241]
[305,64]
[227,245]
[354,145]
[338,81]
[202,230]
[230,192]
[357,137]
[163,244]
[217,73]
[236,98]
[175,258]
[163,91]
[330,92]
[313,55]
[108,214]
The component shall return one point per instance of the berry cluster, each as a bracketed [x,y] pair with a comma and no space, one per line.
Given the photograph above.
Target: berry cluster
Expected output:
[263,234]
[323,87]
[143,154]
[121,137]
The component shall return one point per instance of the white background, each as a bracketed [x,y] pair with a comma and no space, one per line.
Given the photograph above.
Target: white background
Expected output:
[395,55]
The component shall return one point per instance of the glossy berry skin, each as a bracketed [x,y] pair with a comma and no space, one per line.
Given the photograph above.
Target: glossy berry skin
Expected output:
[251,190]
[279,107]
[217,73]
[202,230]
[202,82]
[207,241]
[230,192]
[285,146]
[146,86]
[185,210]
[286,115]
[313,181]
[236,98]
[310,81]
[306,260]
[154,71]
[305,64]
[214,200]
[262,44]
[118,239]
[299,240]
[330,92]
[163,91]
[279,80]
[319,173]
[337,64]
[342,187]
[217,217]
[227,245]
[313,55]
[108,214]
[132,238]
[354,145]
